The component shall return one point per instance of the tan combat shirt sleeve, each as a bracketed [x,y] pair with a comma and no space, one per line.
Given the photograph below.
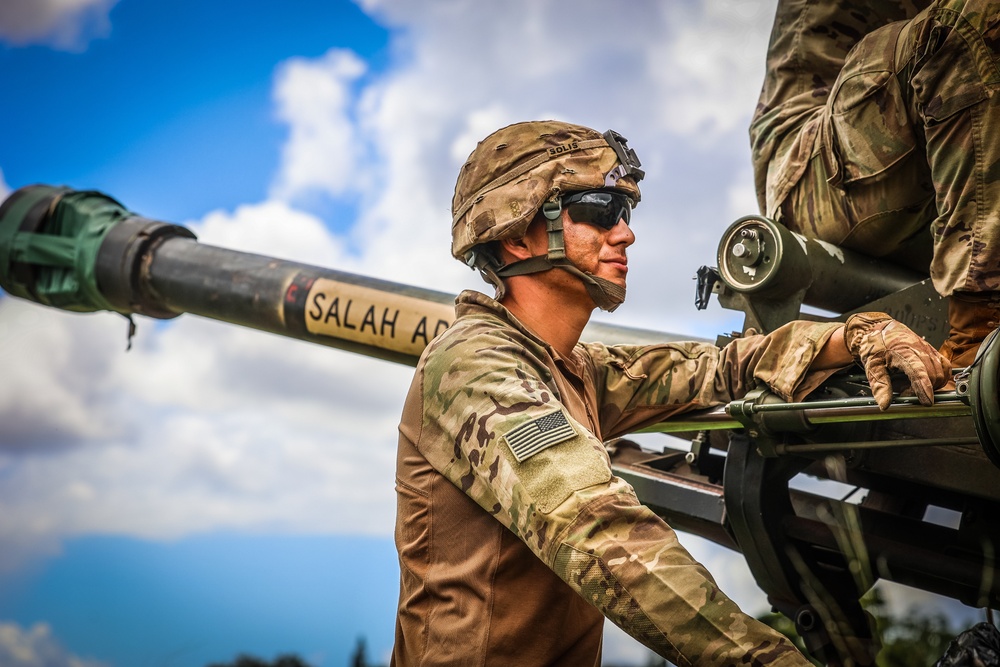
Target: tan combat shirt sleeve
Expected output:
[516,451]
[640,385]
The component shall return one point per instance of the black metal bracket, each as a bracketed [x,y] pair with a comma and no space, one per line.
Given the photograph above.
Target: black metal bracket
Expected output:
[815,589]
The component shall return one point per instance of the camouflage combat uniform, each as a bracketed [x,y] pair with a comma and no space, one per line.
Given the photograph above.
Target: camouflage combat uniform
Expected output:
[514,536]
[877,121]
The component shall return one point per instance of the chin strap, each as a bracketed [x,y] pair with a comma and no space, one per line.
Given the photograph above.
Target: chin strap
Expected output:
[606,294]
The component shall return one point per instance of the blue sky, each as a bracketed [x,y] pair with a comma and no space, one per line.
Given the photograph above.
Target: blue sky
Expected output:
[199,600]
[171,110]
[217,490]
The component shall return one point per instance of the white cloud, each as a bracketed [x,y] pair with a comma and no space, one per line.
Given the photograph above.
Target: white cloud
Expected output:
[36,647]
[227,428]
[323,150]
[61,24]
[54,393]
[205,426]
[710,73]
[4,188]
[741,197]
[679,79]
[273,228]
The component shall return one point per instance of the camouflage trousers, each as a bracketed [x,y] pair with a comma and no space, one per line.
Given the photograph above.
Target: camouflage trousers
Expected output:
[878,129]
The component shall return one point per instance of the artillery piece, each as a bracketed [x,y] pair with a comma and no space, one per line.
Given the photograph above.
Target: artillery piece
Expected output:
[736,480]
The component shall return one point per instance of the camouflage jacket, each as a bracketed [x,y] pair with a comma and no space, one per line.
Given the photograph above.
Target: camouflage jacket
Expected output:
[515,537]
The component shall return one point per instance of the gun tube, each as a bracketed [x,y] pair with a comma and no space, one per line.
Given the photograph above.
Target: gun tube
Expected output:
[371,317]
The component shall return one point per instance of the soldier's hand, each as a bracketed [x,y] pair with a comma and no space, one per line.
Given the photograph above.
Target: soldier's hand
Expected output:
[880,344]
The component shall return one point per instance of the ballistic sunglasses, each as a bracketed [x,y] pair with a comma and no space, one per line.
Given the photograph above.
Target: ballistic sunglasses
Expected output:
[601,208]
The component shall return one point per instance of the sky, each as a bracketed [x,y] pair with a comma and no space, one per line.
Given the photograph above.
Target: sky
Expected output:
[217,490]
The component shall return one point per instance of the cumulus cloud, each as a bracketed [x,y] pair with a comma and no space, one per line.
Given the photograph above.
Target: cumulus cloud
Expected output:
[204,426]
[55,392]
[708,75]
[62,24]
[323,151]
[243,430]
[36,647]
[273,228]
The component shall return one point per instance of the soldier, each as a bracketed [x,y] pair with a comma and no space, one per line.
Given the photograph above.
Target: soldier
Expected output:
[514,536]
[876,123]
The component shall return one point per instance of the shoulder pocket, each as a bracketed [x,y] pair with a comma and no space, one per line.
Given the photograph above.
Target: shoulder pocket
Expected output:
[553,474]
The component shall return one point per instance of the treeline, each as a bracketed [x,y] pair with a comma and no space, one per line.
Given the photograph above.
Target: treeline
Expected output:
[919,640]
[358,659]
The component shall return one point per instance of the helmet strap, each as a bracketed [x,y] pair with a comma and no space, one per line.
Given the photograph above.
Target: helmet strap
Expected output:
[606,294]
[488,267]
[552,210]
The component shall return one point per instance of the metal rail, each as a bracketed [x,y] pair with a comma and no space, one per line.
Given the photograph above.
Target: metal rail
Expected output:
[845,410]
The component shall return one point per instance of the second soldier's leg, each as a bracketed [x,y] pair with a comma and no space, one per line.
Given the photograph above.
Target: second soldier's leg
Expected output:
[956,88]
[809,43]
[867,183]
[903,145]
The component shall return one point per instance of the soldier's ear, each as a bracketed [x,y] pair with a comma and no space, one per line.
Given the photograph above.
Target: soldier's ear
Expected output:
[535,241]
[515,249]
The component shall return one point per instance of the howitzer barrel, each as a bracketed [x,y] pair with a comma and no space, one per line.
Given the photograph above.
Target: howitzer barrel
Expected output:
[371,317]
[83,251]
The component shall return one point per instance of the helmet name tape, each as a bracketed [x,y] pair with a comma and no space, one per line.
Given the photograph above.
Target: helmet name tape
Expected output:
[564,148]
[520,171]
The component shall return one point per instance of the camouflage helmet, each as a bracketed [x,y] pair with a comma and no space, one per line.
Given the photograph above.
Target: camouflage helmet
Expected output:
[512,172]
[525,167]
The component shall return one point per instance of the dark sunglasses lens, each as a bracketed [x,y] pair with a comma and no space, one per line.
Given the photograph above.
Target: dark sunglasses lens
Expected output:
[602,209]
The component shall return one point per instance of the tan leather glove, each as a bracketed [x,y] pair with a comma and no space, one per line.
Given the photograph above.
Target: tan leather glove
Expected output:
[880,344]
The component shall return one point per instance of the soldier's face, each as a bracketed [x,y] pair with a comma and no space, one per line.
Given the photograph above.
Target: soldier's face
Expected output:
[598,251]
[601,252]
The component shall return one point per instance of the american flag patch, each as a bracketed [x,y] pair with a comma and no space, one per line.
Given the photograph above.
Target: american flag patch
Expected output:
[532,437]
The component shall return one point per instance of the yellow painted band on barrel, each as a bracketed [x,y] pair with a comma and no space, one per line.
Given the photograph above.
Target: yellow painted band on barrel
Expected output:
[374,317]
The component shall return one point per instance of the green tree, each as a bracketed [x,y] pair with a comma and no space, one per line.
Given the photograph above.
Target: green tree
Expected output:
[360,657]
[917,640]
